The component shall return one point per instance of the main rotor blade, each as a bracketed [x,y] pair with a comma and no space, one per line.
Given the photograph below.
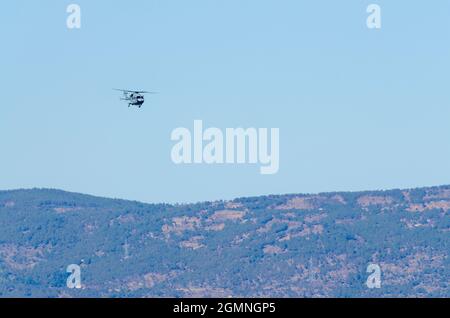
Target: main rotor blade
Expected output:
[136,92]
[123,90]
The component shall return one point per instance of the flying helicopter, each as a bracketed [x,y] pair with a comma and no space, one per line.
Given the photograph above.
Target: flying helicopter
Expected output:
[134,98]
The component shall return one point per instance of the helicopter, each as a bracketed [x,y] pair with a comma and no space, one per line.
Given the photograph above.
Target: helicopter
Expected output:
[134,98]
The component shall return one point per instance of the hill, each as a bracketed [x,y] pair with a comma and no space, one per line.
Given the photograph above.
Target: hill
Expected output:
[280,246]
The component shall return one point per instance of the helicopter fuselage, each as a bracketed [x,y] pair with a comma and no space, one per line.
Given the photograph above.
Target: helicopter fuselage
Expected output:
[136,100]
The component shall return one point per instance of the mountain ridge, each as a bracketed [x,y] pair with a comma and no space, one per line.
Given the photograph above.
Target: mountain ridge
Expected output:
[62,191]
[292,245]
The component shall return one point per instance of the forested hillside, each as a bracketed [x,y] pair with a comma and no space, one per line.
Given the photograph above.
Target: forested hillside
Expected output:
[280,246]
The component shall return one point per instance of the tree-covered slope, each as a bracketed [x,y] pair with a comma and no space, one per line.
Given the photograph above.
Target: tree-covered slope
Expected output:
[281,246]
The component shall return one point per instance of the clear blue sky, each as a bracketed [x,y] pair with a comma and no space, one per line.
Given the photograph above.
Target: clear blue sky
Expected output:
[357,108]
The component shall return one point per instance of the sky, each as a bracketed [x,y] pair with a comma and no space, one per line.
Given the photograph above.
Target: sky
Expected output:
[357,108]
